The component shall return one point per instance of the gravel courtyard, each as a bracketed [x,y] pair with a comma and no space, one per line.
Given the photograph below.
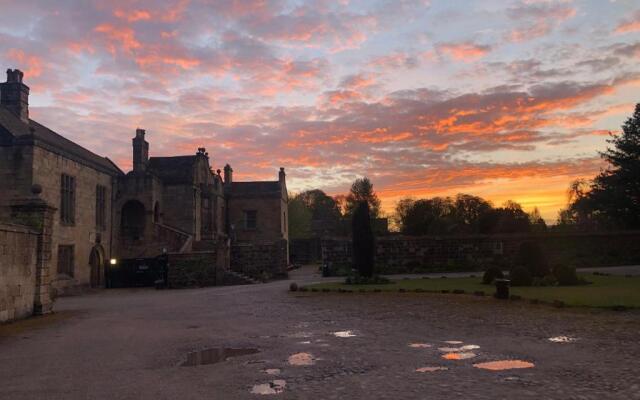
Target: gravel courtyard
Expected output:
[130,344]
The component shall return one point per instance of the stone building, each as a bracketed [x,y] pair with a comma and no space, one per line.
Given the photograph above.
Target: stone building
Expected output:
[164,205]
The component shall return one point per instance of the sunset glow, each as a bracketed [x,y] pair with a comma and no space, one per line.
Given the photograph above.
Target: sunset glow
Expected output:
[504,100]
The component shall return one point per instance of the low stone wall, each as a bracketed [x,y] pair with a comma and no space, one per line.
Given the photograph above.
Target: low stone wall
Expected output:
[260,261]
[196,269]
[401,254]
[18,257]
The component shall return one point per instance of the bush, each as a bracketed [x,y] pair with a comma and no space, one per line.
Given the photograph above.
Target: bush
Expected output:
[566,275]
[293,287]
[520,276]
[491,275]
[532,257]
[548,280]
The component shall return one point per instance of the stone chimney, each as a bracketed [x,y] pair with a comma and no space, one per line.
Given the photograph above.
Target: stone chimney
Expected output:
[14,95]
[228,174]
[282,176]
[140,151]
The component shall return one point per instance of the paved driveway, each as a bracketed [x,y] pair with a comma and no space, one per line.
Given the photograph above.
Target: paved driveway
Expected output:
[129,344]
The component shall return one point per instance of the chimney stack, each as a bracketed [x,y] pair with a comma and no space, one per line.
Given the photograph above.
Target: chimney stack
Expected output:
[281,175]
[228,174]
[14,95]
[140,151]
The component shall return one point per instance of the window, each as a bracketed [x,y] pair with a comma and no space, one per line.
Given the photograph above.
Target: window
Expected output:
[67,199]
[101,194]
[65,259]
[250,219]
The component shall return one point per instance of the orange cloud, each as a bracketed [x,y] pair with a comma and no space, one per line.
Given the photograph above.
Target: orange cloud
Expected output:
[465,51]
[132,16]
[630,25]
[123,37]
[31,65]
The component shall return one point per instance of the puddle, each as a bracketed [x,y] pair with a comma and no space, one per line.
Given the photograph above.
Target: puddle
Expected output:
[273,387]
[305,342]
[301,359]
[431,369]
[419,345]
[458,349]
[344,334]
[453,342]
[301,335]
[562,339]
[458,356]
[215,355]
[272,371]
[504,365]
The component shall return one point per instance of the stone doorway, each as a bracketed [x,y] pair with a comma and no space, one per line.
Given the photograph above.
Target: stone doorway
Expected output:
[96,265]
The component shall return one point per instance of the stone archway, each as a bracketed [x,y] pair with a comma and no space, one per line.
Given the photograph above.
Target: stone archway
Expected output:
[96,265]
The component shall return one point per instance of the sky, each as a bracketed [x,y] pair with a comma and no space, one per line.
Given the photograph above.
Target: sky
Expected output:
[501,99]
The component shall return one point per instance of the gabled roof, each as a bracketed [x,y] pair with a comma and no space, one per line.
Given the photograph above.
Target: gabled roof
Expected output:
[54,142]
[173,170]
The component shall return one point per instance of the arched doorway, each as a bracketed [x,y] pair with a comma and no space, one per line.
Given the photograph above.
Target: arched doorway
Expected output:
[96,265]
[132,220]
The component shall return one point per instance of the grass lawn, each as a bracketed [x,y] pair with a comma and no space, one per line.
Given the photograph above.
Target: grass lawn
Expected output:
[605,291]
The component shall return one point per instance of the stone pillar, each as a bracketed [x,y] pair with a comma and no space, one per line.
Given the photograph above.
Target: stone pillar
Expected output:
[38,215]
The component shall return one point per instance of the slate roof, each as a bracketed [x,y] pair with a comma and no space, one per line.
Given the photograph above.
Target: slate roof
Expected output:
[173,170]
[255,188]
[57,143]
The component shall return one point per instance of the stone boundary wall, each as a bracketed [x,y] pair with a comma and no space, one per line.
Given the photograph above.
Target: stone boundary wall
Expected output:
[18,258]
[197,269]
[400,254]
[260,261]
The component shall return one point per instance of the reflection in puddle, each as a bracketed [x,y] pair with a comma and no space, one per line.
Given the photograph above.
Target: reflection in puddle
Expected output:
[562,339]
[458,356]
[301,359]
[453,342]
[504,364]
[457,349]
[272,371]
[273,387]
[305,342]
[419,345]
[301,335]
[431,369]
[215,355]
[344,334]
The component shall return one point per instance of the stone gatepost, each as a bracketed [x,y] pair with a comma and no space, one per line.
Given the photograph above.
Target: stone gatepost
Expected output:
[38,215]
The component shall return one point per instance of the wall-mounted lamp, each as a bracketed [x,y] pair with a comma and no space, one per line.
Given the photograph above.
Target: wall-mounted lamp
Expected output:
[113,261]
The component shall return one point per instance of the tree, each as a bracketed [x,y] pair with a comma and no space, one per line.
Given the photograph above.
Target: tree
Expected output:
[324,211]
[362,190]
[363,241]
[537,222]
[428,217]
[468,212]
[613,197]
[299,218]
[510,218]
[616,190]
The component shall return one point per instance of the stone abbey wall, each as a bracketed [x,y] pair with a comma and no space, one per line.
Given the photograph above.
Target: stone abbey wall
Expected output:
[400,254]
[262,260]
[18,257]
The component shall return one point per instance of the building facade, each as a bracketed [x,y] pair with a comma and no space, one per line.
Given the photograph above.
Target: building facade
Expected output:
[163,205]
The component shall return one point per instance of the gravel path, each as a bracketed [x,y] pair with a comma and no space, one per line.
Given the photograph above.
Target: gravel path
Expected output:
[129,344]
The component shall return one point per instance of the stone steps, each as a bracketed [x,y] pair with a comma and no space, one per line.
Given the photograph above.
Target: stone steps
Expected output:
[237,278]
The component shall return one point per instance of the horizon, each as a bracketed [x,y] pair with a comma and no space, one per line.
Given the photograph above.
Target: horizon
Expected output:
[514,106]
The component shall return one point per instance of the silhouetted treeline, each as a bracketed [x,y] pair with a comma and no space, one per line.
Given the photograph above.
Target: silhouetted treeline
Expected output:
[612,199]
[313,213]
[464,214]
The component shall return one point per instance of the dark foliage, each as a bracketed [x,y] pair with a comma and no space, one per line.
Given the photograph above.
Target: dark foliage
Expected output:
[612,199]
[520,276]
[464,214]
[362,190]
[532,257]
[363,241]
[492,274]
[566,275]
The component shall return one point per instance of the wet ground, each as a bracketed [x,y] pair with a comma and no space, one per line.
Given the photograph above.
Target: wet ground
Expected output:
[132,344]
